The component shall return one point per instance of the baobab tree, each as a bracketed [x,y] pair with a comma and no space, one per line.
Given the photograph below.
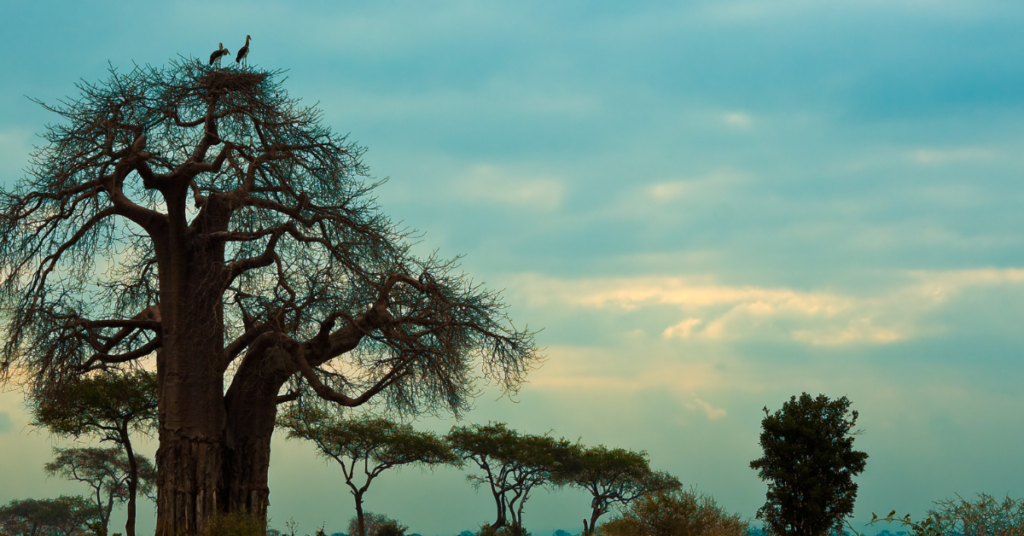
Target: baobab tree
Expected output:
[204,218]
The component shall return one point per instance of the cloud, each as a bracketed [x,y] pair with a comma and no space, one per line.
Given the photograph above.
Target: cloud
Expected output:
[948,156]
[487,183]
[586,371]
[6,424]
[718,312]
[737,119]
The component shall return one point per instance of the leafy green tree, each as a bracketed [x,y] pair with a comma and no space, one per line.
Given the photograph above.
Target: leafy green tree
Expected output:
[107,472]
[512,463]
[203,215]
[674,513]
[113,407]
[63,516]
[373,444]
[810,463]
[612,476]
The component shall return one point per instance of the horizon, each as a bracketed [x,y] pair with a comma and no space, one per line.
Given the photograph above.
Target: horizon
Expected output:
[707,206]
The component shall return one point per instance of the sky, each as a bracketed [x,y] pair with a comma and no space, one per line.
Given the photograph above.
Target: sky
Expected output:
[707,206]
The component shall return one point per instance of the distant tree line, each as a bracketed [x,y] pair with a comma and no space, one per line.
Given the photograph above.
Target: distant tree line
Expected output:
[808,462]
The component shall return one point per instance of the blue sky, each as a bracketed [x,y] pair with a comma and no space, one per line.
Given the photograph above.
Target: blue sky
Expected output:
[708,207]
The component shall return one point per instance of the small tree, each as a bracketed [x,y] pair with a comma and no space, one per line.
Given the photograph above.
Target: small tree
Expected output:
[63,516]
[674,513]
[809,462]
[513,464]
[110,406]
[107,472]
[375,444]
[612,476]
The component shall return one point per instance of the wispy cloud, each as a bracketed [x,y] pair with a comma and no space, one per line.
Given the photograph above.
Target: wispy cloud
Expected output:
[492,184]
[725,312]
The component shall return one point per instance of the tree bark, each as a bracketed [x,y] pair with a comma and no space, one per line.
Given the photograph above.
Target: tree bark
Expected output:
[251,404]
[133,480]
[192,413]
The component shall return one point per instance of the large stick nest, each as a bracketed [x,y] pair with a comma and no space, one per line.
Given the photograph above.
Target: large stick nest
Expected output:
[225,80]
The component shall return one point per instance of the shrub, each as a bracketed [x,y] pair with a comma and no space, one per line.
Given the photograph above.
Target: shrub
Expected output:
[235,524]
[674,513]
[508,530]
[377,525]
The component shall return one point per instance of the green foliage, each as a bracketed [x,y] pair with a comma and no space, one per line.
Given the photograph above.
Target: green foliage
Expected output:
[674,513]
[384,442]
[375,444]
[235,524]
[984,517]
[513,463]
[106,471]
[102,405]
[48,517]
[809,462]
[612,476]
[377,525]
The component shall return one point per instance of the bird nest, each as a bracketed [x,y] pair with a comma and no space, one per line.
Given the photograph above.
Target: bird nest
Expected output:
[231,80]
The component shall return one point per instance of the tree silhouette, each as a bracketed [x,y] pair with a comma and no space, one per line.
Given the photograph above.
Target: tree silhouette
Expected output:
[611,476]
[109,474]
[64,516]
[513,464]
[204,216]
[110,406]
[810,463]
[375,444]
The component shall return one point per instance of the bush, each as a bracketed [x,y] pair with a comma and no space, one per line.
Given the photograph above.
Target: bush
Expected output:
[235,524]
[377,525]
[674,513]
[507,530]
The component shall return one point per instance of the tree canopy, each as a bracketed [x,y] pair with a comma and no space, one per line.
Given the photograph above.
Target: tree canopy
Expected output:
[111,406]
[108,473]
[375,444]
[67,515]
[611,476]
[809,463]
[513,463]
[203,216]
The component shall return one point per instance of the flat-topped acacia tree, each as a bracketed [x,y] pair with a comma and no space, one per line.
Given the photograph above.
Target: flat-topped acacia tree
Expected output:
[202,215]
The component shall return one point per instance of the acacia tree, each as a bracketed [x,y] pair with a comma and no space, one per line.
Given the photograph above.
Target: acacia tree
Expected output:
[375,444]
[63,516]
[810,463]
[111,406]
[612,476]
[109,473]
[203,215]
[513,464]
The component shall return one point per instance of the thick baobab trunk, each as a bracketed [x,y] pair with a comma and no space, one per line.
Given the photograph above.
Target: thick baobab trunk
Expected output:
[191,454]
[252,411]
[190,368]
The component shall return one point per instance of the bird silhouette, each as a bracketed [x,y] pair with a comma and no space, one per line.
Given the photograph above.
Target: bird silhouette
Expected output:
[243,53]
[218,54]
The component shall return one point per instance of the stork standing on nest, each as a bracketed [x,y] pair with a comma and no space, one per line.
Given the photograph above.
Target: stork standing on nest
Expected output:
[243,53]
[218,54]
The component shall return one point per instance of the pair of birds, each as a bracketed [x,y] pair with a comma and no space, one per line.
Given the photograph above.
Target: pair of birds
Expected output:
[243,53]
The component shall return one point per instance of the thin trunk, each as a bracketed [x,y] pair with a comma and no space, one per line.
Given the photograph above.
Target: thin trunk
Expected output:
[133,480]
[598,512]
[359,513]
